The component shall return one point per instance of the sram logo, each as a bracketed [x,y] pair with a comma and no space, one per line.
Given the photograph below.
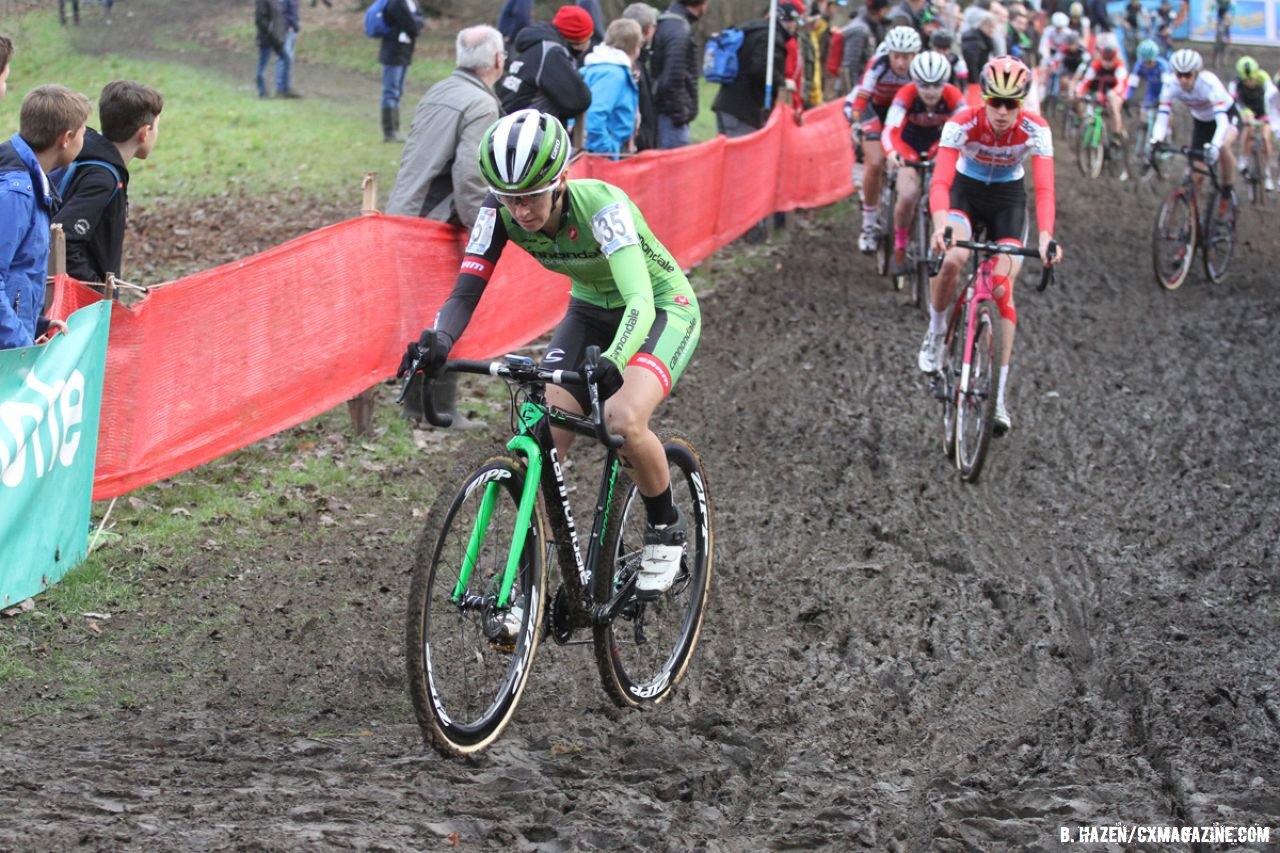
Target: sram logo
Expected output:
[45,430]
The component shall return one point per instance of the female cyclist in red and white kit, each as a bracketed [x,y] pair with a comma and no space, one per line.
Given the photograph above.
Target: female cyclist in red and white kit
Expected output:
[911,133]
[978,183]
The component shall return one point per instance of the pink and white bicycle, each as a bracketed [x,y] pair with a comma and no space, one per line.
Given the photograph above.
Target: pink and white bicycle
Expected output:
[968,380]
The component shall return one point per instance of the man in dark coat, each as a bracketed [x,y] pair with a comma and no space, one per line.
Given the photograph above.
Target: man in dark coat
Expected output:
[739,106]
[395,53]
[675,69]
[543,72]
[647,17]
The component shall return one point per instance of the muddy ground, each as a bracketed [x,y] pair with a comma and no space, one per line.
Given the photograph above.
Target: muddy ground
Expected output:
[892,660]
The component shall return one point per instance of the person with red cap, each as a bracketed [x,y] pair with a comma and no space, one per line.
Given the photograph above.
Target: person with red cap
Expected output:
[543,71]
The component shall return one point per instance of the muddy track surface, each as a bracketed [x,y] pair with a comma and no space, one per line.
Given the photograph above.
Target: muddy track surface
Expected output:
[892,660]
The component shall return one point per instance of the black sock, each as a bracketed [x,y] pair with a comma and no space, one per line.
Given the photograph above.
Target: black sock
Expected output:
[660,509]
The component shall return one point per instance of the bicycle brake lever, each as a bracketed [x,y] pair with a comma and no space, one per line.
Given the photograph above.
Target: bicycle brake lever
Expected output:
[597,406]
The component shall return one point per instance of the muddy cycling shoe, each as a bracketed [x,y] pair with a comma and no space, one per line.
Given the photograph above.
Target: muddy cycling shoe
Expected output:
[1002,424]
[930,358]
[898,266]
[867,241]
[660,559]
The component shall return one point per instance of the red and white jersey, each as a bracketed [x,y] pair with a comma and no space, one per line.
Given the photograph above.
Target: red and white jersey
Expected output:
[972,148]
[990,158]
[1208,100]
[878,86]
[912,127]
[1109,79]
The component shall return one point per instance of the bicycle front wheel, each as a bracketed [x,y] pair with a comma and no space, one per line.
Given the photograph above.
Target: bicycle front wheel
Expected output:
[1173,240]
[1093,148]
[645,651]
[976,395]
[1257,194]
[468,660]
[884,228]
[1220,239]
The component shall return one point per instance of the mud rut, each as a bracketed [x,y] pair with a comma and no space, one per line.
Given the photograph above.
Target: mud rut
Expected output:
[893,661]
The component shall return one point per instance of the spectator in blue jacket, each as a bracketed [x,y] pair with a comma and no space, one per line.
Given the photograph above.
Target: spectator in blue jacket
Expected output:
[51,126]
[615,96]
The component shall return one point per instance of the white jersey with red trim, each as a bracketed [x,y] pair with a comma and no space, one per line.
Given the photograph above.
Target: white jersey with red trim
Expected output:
[1207,97]
[991,158]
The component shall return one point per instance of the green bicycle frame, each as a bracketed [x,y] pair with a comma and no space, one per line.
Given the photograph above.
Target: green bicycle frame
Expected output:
[526,445]
[1093,129]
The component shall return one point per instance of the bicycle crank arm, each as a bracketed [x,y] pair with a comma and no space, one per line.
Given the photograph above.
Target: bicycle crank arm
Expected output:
[607,612]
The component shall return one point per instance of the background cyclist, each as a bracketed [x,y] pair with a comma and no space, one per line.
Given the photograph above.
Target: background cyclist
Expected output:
[1151,68]
[912,131]
[1258,100]
[1108,77]
[627,295]
[1213,112]
[978,185]
[867,107]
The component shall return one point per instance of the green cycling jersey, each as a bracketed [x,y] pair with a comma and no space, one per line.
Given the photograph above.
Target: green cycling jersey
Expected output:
[603,245]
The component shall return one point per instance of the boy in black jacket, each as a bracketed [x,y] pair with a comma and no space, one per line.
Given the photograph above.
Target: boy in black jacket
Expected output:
[95,205]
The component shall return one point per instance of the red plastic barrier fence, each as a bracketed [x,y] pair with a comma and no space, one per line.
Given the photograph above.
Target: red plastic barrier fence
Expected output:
[216,361]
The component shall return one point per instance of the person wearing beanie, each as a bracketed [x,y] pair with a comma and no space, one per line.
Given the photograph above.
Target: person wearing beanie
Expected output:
[543,70]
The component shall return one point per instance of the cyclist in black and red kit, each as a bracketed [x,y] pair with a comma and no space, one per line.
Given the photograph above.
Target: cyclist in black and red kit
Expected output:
[911,133]
[867,107]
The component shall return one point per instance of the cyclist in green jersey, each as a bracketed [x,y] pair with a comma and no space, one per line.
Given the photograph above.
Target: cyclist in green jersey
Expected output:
[627,296]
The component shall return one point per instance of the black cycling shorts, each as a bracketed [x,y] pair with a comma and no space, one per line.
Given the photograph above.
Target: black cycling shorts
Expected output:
[997,210]
[670,342]
[1202,131]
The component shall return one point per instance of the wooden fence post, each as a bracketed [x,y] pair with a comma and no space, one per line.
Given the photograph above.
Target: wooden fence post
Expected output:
[361,406]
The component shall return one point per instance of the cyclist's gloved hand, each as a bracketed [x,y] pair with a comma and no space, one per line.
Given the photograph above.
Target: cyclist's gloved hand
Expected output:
[608,378]
[1210,153]
[429,356]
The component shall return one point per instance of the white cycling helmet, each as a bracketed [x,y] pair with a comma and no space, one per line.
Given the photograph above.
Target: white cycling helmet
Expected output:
[1186,61]
[902,40]
[930,69]
[1060,20]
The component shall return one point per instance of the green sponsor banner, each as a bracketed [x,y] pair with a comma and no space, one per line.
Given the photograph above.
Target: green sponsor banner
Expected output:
[50,400]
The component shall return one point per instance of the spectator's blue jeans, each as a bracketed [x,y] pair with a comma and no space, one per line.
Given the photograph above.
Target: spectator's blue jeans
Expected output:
[284,65]
[732,126]
[671,135]
[393,84]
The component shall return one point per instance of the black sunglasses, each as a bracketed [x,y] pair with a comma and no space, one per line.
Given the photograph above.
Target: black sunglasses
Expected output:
[1184,74]
[1007,103]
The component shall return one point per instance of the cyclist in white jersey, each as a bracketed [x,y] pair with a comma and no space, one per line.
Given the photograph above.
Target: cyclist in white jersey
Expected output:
[1213,111]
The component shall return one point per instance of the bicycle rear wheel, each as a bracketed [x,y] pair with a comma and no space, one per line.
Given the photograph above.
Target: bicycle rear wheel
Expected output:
[645,651]
[466,674]
[1173,240]
[976,394]
[1220,241]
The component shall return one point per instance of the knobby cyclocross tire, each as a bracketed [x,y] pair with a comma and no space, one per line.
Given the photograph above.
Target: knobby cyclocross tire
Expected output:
[884,227]
[1257,194]
[953,358]
[465,686]
[920,273]
[976,397]
[1173,240]
[646,650]
[1219,239]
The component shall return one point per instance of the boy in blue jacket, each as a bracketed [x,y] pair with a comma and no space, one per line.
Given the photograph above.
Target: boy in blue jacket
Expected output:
[50,135]
[615,95]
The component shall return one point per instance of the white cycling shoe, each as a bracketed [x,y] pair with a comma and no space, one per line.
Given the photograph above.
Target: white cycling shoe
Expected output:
[660,559]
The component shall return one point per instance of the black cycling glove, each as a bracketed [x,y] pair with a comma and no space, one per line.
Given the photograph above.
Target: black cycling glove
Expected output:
[429,352]
[608,378]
